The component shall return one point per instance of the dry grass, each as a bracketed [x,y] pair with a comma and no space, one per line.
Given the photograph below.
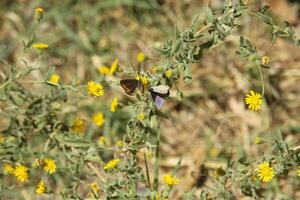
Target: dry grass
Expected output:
[212,123]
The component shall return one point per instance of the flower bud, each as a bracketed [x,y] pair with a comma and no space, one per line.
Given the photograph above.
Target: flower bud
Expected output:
[39,13]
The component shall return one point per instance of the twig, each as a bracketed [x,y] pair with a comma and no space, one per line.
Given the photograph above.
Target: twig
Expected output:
[204,28]
[91,166]
[297,148]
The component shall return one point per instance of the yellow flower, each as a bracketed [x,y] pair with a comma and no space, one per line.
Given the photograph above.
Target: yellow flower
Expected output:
[102,140]
[41,187]
[39,14]
[78,125]
[257,140]
[98,119]
[265,172]
[263,165]
[54,79]
[21,173]
[104,70]
[168,73]
[170,180]
[114,105]
[158,196]
[37,163]
[142,78]
[141,116]
[298,171]
[153,69]
[253,178]
[50,166]
[112,164]
[8,168]
[265,60]
[214,152]
[114,66]
[39,10]
[140,57]
[120,143]
[149,154]
[254,100]
[41,46]
[2,138]
[95,89]
[95,188]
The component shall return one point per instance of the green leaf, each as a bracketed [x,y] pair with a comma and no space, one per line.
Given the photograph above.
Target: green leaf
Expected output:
[187,74]
[49,73]
[264,9]
[63,92]
[176,46]
[210,14]
[264,18]
[240,10]
[72,141]
[93,158]
[242,40]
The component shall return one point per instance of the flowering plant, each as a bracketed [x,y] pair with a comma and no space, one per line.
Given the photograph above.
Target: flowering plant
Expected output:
[71,140]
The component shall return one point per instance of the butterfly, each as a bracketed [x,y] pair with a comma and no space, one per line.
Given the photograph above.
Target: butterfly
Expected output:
[159,93]
[130,85]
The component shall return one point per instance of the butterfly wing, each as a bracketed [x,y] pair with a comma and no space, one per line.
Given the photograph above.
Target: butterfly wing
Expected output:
[161,89]
[159,93]
[157,99]
[129,85]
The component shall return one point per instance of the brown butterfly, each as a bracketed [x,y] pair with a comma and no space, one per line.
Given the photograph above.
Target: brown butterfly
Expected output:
[130,85]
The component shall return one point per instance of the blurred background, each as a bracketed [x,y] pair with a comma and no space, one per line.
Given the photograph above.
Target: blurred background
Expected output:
[212,122]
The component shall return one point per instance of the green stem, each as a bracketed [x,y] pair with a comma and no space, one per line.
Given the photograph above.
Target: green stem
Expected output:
[147,170]
[46,145]
[4,85]
[262,78]
[12,67]
[156,174]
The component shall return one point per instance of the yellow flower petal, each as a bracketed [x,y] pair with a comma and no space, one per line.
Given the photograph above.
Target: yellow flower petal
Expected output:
[140,57]
[141,116]
[8,168]
[78,125]
[114,66]
[253,100]
[50,166]
[265,60]
[170,180]
[95,89]
[114,105]
[98,119]
[112,164]
[39,10]
[21,173]
[54,79]
[265,172]
[41,46]
[104,70]
[102,140]
[94,186]
[168,73]
[41,187]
